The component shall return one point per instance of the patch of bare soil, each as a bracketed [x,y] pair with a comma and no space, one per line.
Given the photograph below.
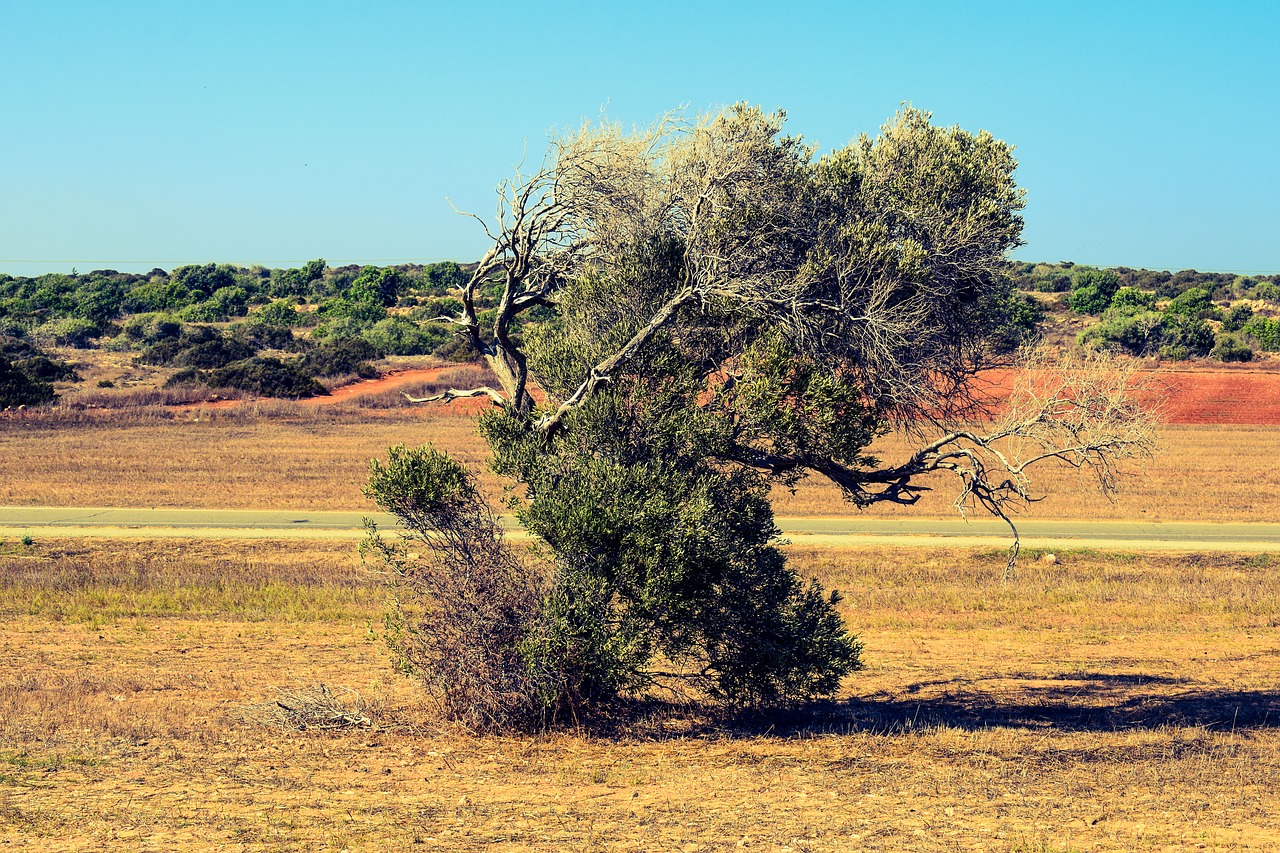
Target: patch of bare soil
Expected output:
[387,382]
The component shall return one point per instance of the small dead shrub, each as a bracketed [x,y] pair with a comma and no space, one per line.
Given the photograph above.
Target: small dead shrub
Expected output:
[315,708]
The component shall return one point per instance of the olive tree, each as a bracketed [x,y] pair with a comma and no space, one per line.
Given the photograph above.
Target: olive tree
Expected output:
[719,310]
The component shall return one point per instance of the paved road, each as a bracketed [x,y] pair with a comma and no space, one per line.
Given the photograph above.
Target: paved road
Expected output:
[847,530]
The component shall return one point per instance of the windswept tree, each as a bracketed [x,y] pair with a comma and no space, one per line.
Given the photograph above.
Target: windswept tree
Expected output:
[721,310]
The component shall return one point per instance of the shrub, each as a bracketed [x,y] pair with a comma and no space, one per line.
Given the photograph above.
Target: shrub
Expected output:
[464,605]
[213,353]
[41,368]
[259,336]
[1131,297]
[343,355]
[200,347]
[280,313]
[1230,348]
[1194,303]
[1187,333]
[67,332]
[1092,291]
[19,389]
[264,376]
[151,327]
[1236,317]
[1264,330]
[398,336]
[1127,328]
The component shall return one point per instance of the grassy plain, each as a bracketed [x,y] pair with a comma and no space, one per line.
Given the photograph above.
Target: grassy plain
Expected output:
[279,455]
[1103,702]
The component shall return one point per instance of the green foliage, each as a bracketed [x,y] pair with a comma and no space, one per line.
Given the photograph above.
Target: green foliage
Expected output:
[1093,290]
[1264,330]
[19,389]
[464,612]
[1131,297]
[357,313]
[264,376]
[400,336]
[1186,337]
[67,332]
[280,313]
[259,336]
[376,286]
[157,295]
[1230,348]
[1237,317]
[297,282]
[441,278]
[340,356]
[151,327]
[200,347]
[1194,303]
[223,304]
[1022,317]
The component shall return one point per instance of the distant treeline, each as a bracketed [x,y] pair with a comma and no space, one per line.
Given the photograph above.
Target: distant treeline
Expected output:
[277,331]
[1058,278]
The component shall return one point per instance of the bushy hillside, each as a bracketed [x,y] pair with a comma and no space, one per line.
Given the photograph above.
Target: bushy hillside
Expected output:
[265,332]
[1172,316]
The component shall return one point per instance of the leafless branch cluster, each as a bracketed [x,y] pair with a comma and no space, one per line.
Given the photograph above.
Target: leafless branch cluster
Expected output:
[315,708]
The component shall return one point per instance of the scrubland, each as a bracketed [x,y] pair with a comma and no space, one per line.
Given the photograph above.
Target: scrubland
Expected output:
[1102,702]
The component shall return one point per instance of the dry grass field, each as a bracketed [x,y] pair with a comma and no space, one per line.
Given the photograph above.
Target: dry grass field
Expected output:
[277,455]
[1104,702]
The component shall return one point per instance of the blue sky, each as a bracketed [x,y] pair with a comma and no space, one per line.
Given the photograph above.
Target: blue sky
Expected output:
[140,134]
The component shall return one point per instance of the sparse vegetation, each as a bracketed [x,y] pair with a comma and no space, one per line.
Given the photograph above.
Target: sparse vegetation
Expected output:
[1056,711]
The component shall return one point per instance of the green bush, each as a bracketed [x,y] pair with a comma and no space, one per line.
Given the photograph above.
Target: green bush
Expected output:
[1230,348]
[398,336]
[151,327]
[280,313]
[1092,291]
[1236,317]
[340,356]
[259,336]
[464,611]
[264,376]
[67,332]
[1131,297]
[1127,328]
[200,347]
[19,389]
[1264,330]
[1194,303]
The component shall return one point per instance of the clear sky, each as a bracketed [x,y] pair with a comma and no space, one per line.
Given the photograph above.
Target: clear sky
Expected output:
[140,134]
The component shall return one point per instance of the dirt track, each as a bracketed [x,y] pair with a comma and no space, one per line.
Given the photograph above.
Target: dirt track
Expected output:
[386,382]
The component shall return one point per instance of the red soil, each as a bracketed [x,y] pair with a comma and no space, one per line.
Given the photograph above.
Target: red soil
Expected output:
[386,382]
[1192,396]
[1222,397]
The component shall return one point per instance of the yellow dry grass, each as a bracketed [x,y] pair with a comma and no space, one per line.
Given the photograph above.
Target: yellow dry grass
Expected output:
[1103,702]
[283,456]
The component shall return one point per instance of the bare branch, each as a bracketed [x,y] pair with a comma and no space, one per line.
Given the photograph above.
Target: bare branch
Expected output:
[457,394]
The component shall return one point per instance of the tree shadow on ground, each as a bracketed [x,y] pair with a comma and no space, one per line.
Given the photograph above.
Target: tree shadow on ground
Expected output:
[1099,702]
[1074,702]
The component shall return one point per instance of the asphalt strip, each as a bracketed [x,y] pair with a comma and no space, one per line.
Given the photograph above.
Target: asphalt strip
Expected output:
[843,531]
